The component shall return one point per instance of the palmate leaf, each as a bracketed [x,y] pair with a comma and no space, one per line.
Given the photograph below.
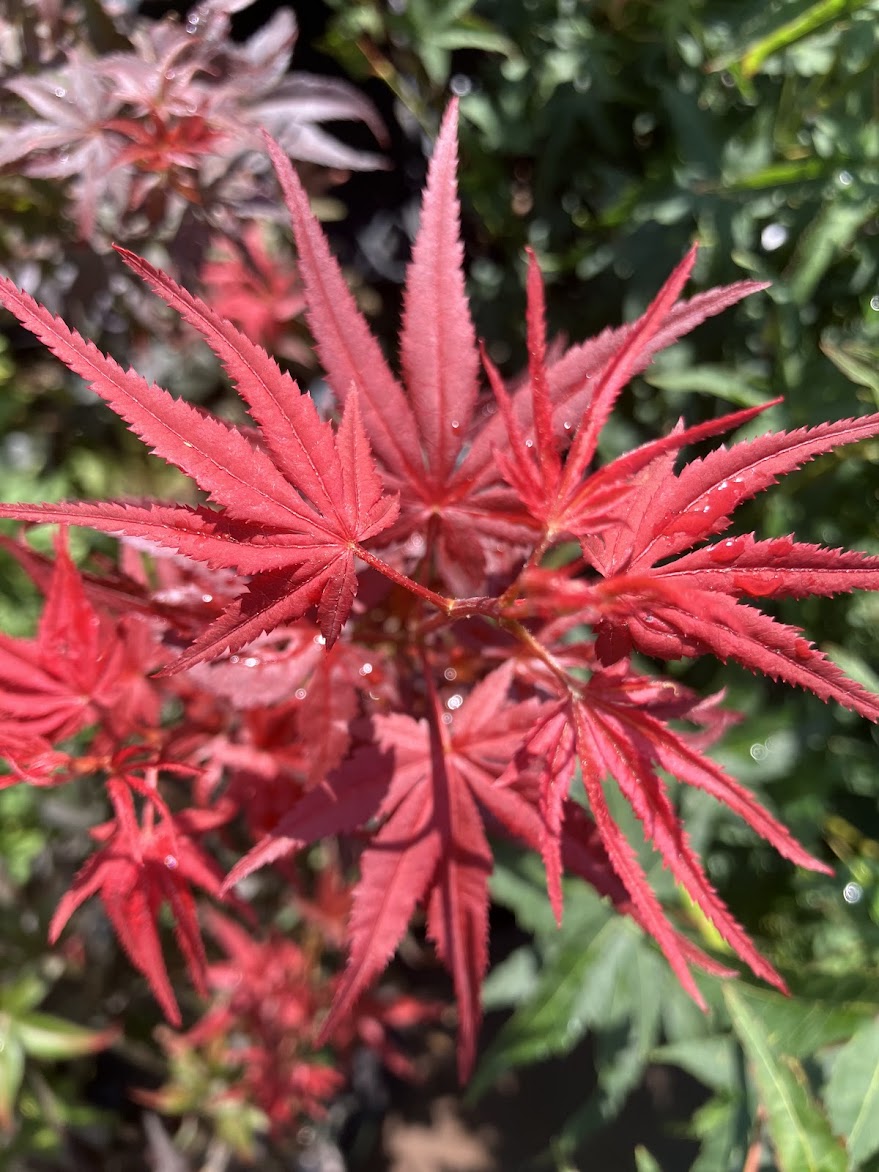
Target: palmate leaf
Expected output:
[141,867]
[290,515]
[433,786]
[445,457]
[483,496]
[81,668]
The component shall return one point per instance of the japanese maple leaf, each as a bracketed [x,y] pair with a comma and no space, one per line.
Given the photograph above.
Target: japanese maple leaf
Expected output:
[636,512]
[256,287]
[434,438]
[616,726]
[433,784]
[294,503]
[141,867]
[79,669]
[268,993]
[702,601]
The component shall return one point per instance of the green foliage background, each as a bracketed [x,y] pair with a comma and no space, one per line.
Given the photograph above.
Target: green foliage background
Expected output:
[608,134]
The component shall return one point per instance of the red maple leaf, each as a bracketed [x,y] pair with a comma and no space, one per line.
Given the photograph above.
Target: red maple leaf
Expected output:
[432,784]
[434,437]
[143,866]
[292,512]
[81,667]
[488,486]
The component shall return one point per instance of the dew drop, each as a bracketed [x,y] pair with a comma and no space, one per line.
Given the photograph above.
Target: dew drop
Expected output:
[529,443]
[726,551]
[455,424]
[234,659]
[758,583]
[207,598]
[567,425]
[60,91]
[320,640]
[773,236]
[844,179]
[759,751]
[366,669]
[251,661]
[447,718]
[170,862]
[780,546]
[874,304]
[691,523]
[454,702]
[450,674]
[170,74]
[300,693]
[852,892]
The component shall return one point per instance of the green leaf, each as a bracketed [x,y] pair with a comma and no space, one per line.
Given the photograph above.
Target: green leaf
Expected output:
[571,990]
[512,981]
[722,1126]
[24,994]
[798,1026]
[823,12]
[852,1095]
[858,361]
[711,1060]
[644,1162]
[53,1038]
[11,1070]
[800,1133]
[719,381]
[832,230]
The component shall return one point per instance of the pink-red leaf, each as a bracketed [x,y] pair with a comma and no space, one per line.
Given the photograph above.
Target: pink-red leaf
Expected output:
[437,343]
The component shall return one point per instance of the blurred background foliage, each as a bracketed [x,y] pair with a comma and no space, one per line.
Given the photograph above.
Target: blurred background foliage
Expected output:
[608,135]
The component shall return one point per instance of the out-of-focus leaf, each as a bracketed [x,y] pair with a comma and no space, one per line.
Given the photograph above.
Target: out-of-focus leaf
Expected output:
[858,361]
[711,1060]
[854,665]
[512,981]
[572,988]
[852,1094]
[11,1071]
[798,1026]
[800,1133]
[626,1030]
[755,55]
[720,381]
[645,1162]
[723,1127]
[832,230]
[20,996]
[53,1038]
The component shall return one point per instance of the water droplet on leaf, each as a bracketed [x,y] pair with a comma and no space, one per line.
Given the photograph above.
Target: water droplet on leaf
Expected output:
[759,583]
[726,551]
